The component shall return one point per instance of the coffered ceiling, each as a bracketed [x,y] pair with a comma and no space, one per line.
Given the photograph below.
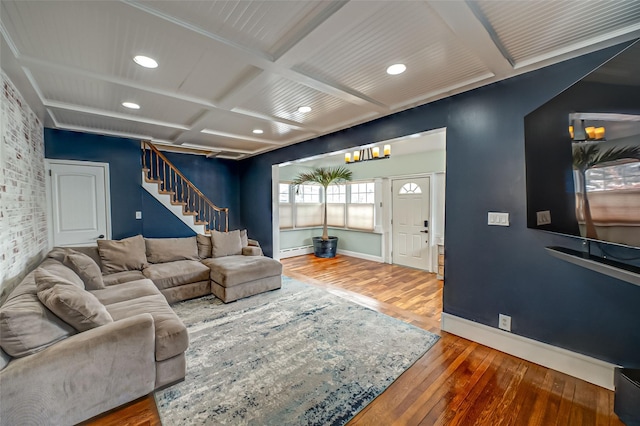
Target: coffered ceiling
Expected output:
[227,68]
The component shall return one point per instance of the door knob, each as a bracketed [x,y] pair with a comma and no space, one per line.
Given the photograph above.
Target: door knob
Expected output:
[100,236]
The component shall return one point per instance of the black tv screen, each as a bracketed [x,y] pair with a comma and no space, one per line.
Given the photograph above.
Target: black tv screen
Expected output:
[582,153]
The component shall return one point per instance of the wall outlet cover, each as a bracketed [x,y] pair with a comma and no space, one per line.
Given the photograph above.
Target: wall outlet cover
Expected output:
[504,322]
[138,215]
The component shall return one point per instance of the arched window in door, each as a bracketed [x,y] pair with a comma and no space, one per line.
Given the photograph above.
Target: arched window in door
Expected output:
[410,188]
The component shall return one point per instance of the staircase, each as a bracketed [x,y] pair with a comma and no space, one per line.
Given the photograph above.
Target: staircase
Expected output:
[167,184]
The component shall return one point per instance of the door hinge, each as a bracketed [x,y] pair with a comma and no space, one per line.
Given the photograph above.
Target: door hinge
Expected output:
[49,172]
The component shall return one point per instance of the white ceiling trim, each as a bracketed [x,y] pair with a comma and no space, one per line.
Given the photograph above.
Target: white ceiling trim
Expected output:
[8,39]
[612,38]
[448,91]
[85,129]
[221,149]
[235,136]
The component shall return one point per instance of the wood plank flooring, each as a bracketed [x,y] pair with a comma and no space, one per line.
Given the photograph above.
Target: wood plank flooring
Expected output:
[457,382]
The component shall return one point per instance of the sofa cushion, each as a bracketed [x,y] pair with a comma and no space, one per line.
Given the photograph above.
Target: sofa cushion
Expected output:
[58,253]
[161,250]
[234,270]
[75,306]
[26,325]
[122,277]
[244,239]
[86,268]
[171,334]
[204,246]
[225,243]
[61,271]
[127,254]
[126,291]
[172,274]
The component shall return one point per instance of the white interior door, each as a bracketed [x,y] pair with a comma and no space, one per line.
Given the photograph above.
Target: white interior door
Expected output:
[79,203]
[411,208]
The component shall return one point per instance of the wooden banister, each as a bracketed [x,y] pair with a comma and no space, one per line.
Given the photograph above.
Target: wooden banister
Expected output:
[181,189]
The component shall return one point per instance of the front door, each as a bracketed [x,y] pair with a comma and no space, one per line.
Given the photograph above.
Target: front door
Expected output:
[78,202]
[411,211]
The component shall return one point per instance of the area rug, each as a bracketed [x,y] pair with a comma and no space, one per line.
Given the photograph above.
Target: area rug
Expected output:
[294,356]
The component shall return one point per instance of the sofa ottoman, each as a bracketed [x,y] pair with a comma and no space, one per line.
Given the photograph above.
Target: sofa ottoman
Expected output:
[238,276]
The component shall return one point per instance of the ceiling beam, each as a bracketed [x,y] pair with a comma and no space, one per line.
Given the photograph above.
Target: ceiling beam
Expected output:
[465,25]
[264,61]
[118,115]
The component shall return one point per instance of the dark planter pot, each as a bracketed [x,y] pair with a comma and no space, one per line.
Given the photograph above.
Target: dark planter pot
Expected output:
[325,248]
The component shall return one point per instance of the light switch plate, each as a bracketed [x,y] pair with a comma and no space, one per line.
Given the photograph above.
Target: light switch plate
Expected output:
[138,215]
[543,217]
[498,219]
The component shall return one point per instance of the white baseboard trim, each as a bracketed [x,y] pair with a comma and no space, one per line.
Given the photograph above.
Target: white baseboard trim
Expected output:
[361,255]
[296,251]
[589,369]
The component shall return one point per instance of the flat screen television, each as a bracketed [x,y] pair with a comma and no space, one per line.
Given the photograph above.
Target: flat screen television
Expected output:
[582,153]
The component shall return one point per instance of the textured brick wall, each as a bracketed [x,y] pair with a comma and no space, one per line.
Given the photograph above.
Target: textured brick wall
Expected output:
[23,217]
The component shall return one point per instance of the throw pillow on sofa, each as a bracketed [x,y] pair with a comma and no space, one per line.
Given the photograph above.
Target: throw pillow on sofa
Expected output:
[225,243]
[128,254]
[204,246]
[163,250]
[75,306]
[26,325]
[86,268]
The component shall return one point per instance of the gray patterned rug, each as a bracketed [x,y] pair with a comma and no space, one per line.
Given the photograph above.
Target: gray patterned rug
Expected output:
[294,356]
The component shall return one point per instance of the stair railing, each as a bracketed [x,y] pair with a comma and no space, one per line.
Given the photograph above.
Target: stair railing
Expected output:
[171,181]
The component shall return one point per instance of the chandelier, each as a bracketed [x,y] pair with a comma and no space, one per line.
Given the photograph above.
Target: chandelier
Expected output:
[367,154]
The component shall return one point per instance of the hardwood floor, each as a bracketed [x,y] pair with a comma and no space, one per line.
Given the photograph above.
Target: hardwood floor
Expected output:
[457,382]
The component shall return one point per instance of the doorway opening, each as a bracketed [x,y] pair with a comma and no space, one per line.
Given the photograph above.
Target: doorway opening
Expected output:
[420,156]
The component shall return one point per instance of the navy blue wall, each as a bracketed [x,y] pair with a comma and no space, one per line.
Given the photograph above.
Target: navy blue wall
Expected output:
[217,179]
[491,270]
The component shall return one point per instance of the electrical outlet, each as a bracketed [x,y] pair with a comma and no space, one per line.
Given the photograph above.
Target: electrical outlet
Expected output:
[543,217]
[504,322]
[138,215]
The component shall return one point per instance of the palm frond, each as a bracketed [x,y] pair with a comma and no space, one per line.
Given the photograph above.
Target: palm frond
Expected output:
[324,176]
[586,156]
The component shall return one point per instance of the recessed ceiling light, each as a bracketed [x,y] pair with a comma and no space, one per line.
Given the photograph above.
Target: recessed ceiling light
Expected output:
[145,61]
[258,131]
[130,105]
[396,69]
[304,109]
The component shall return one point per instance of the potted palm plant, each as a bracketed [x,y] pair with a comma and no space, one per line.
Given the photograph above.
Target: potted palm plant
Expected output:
[324,246]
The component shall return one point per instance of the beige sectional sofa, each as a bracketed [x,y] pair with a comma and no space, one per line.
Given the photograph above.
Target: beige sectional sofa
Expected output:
[91,328]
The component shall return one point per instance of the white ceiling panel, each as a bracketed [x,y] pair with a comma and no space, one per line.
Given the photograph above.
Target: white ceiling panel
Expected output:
[412,35]
[102,37]
[87,92]
[282,98]
[531,28]
[241,125]
[228,67]
[261,26]
[74,120]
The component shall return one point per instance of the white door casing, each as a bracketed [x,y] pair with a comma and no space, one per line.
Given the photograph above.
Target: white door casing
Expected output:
[78,202]
[410,209]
